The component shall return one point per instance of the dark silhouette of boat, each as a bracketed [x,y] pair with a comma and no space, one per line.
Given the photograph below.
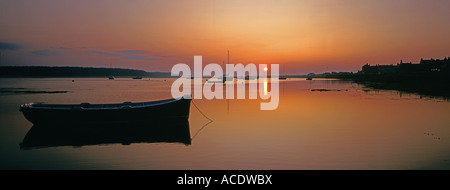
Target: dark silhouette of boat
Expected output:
[111,77]
[309,78]
[38,113]
[70,134]
[137,77]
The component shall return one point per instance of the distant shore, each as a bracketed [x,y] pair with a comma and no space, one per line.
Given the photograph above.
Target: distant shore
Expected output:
[424,83]
[74,72]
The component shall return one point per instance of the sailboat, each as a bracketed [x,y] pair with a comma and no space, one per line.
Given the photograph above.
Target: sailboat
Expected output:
[111,77]
[224,78]
[137,77]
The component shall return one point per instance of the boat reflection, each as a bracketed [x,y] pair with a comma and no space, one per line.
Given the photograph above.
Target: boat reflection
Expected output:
[66,134]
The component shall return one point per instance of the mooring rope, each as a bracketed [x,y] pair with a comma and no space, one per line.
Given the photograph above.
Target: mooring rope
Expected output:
[201,111]
[201,128]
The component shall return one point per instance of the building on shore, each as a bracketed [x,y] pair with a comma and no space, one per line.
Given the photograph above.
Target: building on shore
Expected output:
[424,66]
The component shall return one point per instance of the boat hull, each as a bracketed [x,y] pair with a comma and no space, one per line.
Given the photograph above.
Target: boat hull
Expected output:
[122,113]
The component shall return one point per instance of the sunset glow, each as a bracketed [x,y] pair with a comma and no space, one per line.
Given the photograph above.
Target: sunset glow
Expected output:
[235,86]
[301,36]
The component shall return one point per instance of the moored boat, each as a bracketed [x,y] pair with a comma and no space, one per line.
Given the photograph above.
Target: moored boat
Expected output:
[38,113]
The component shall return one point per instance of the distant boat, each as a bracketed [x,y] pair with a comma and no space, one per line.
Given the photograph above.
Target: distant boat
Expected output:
[111,77]
[216,80]
[309,78]
[137,77]
[282,78]
[38,113]
[251,77]
[225,77]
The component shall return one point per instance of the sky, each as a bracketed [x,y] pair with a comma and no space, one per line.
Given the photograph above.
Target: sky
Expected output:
[302,36]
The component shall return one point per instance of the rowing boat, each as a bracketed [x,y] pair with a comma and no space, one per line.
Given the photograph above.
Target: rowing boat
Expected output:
[38,113]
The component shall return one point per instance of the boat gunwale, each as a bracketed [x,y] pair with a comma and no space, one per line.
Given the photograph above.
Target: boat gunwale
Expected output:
[88,106]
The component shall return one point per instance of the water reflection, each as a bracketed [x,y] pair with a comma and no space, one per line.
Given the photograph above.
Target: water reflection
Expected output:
[66,134]
[265,87]
[328,85]
[358,128]
[433,91]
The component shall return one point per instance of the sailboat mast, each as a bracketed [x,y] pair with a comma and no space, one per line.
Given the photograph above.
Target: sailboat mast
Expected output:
[228,61]
[228,100]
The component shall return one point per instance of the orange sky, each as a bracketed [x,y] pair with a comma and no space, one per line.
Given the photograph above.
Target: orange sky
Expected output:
[301,36]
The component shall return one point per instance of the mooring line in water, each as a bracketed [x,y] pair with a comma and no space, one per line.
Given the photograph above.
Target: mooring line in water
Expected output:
[201,128]
[201,111]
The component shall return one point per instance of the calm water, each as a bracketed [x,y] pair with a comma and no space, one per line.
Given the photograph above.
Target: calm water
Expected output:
[349,127]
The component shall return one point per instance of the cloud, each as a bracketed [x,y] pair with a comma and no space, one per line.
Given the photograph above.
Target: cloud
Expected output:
[169,56]
[104,53]
[130,52]
[9,46]
[64,48]
[61,48]
[45,52]
[127,54]
[140,57]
